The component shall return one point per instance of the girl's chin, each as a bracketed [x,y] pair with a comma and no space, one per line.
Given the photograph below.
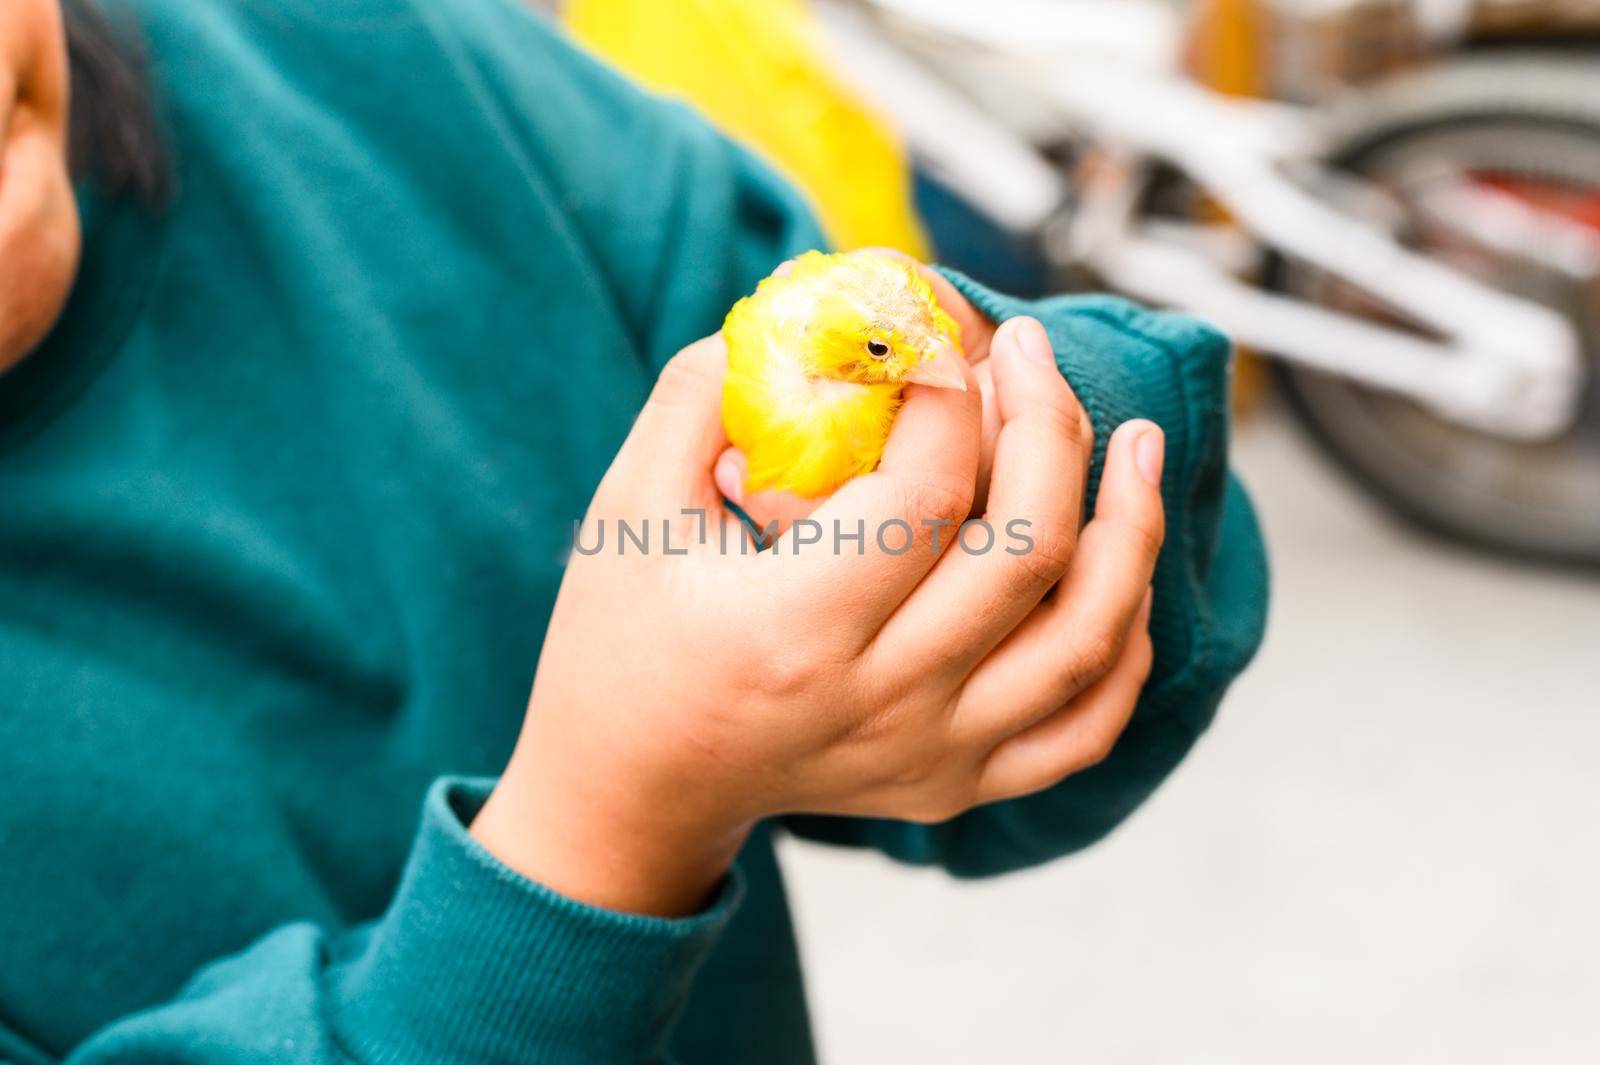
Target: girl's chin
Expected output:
[39,238]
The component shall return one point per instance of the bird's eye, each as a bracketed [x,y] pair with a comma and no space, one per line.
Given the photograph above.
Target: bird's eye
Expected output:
[877,349]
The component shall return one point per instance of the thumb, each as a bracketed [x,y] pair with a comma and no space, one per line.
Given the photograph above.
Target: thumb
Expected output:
[667,459]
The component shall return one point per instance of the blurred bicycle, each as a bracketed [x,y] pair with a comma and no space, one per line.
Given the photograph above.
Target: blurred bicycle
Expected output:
[1422,257]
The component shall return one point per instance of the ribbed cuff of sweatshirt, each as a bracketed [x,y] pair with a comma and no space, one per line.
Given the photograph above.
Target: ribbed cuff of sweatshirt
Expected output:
[475,963]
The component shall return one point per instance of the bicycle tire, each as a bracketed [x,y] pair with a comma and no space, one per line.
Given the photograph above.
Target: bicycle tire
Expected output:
[1495,102]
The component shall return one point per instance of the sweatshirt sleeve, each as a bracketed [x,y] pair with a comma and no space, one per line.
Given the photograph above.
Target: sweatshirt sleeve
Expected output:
[1209,607]
[677,220]
[471,963]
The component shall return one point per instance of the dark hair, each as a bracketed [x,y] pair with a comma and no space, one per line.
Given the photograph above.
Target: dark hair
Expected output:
[113,139]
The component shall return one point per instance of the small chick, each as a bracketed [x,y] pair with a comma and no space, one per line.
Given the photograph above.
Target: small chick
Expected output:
[817,358]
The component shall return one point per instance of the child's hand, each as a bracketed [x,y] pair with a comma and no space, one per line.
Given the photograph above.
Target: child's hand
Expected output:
[681,698]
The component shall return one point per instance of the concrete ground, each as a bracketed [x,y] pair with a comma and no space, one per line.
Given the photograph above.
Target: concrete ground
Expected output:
[1386,850]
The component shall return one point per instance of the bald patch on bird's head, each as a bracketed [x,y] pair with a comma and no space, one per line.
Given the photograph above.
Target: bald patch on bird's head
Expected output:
[873,320]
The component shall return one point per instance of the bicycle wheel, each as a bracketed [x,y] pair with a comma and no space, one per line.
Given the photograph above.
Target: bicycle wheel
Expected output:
[1527,126]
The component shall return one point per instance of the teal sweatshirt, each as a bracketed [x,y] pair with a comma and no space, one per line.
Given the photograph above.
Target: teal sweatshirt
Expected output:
[284,500]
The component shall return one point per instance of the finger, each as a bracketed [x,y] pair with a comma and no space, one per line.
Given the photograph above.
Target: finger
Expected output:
[1077,736]
[8,97]
[1074,638]
[976,330]
[667,459]
[771,511]
[921,490]
[988,582]
[984,372]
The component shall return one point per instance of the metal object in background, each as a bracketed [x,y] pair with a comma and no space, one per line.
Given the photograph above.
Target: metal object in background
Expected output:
[1491,164]
[1142,158]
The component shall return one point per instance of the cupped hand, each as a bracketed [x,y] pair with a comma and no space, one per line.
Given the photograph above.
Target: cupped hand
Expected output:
[687,690]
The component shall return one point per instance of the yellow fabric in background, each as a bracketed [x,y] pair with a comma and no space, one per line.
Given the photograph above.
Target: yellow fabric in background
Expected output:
[756,70]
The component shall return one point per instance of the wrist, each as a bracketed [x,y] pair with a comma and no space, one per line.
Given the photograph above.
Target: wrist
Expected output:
[606,840]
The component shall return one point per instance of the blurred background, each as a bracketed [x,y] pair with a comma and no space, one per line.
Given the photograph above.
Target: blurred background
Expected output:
[1385,849]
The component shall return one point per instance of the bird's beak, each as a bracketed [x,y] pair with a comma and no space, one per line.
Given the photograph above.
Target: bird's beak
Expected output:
[943,370]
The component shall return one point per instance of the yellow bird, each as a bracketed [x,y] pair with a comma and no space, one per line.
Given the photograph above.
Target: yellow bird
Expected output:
[817,359]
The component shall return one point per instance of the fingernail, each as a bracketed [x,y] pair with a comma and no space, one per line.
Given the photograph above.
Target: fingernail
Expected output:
[729,478]
[1035,342]
[1149,453]
[1144,607]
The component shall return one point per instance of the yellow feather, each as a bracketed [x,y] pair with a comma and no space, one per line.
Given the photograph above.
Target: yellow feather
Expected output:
[817,359]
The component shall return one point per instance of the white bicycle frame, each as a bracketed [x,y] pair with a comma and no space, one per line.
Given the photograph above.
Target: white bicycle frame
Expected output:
[975,87]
